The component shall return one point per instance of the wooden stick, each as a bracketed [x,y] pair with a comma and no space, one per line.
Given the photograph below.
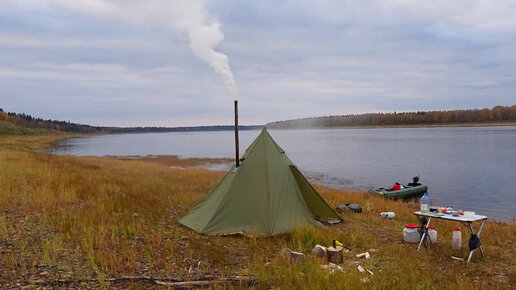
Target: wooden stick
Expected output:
[111,279]
[164,281]
[242,281]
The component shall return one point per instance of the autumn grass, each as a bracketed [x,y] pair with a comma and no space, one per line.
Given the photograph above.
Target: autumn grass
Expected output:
[65,217]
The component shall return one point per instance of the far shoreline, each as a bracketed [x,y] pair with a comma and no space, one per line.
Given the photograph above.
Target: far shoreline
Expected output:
[494,124]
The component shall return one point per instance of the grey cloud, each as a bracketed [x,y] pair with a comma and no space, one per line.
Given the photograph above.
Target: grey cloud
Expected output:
[290,60]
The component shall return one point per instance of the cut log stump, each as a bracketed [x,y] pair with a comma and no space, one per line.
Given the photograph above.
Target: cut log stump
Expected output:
[335,255]
[319,251]
[294,257]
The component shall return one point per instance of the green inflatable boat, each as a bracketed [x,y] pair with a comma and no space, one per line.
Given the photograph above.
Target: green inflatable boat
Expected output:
[406,192]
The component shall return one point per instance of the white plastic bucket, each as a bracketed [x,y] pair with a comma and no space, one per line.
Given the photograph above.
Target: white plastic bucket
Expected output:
[456,239]
[411,234]
[432,234]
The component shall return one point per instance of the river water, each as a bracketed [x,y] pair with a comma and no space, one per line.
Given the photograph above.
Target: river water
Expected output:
[471,168]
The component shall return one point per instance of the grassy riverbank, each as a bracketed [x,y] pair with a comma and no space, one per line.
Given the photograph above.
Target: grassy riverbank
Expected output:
[76,218]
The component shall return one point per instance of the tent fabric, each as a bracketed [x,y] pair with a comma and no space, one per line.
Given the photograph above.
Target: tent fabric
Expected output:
[266,195]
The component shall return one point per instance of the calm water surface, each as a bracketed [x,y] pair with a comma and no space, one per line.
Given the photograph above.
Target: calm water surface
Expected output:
[472,168]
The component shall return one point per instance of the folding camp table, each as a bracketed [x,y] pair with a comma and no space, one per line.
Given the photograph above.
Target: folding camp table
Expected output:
[468,221]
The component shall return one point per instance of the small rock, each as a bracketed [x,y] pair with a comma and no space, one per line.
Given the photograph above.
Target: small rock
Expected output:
[501,277]
[353,207]
[44,274]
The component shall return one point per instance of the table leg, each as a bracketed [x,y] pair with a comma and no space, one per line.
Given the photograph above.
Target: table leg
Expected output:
[470,224]
[478,234]
[424,234]
[481,251]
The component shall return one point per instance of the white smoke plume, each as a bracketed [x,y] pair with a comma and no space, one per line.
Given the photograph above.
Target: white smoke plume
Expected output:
[204,34]
[188,16]
[203,41]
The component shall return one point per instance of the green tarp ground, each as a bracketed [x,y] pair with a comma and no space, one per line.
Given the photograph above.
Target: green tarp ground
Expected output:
[266,195]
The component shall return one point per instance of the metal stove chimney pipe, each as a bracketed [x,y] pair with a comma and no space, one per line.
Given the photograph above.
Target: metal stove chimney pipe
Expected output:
[237,154]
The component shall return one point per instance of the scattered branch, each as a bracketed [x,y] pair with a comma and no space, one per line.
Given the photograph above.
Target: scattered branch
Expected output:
[163,281]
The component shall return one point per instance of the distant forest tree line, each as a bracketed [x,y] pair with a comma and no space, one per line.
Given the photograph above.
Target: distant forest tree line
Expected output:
[29,121]
[495,114]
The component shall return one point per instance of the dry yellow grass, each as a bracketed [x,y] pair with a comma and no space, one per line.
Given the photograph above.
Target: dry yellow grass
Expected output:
[81,217]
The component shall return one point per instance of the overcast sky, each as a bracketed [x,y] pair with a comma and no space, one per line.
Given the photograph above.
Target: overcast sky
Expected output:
[130,62]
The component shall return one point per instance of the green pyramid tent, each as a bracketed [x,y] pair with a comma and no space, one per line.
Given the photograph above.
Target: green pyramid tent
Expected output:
[266,195]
